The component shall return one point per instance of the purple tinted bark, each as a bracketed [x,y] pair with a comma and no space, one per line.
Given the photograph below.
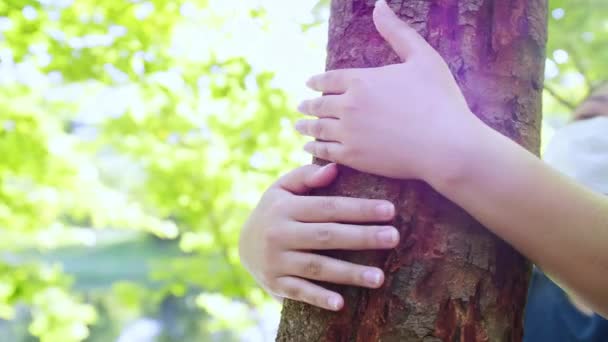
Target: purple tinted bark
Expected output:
[449,279]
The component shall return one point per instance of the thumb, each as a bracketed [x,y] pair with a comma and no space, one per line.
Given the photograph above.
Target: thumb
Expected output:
[402,38]
[305,178]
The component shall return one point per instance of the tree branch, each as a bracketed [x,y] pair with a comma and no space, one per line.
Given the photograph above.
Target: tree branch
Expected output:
[598,85]
[578,65]
[559,98]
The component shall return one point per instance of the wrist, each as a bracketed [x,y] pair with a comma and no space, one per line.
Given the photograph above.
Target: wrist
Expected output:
[467,154]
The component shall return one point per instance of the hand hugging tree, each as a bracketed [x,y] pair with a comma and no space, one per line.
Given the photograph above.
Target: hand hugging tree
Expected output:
[449,279]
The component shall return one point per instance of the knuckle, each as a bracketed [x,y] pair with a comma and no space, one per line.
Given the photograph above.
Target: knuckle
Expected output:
[271,264]
[357,81]
[323,234]
[359,84]
[267,272]
[280,205]
[317,106]
[275,208]
[268,278]
[350,105]
[313,268]
[318,130]
[293,292]
[329,205]
[272,236]
[323,151]
[352,150]
[348,154]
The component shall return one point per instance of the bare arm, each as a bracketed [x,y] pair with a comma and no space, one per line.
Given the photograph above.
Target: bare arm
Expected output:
[558,224]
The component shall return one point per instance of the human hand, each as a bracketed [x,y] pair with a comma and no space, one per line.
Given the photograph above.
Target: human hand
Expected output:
[406,120]
[278,241]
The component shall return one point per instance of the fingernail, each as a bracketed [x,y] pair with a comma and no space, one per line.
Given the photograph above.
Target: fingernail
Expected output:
[333,302]
[385,210]
[372,277]
[299,126]
[301,107]
[388,236]
[311,82]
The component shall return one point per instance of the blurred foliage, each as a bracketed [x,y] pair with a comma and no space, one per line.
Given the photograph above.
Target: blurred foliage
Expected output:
[576,51]
[152,120]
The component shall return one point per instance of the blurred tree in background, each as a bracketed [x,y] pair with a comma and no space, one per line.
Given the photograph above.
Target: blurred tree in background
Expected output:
[135,136]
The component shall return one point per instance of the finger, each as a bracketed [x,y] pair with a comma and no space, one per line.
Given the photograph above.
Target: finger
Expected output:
[402,38]
[330,151]
[335,271]
[317,209]
[327,106]
[326,236]
[333,81]
[323,177]
[305,178]
[323,129]
[304,291]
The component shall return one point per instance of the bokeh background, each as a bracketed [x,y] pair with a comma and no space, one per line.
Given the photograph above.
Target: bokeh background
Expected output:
[135,137]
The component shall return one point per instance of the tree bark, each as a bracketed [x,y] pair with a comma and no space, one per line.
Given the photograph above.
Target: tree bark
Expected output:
[450,279]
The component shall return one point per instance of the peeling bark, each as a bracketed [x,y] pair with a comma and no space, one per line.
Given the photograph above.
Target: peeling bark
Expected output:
[450,279]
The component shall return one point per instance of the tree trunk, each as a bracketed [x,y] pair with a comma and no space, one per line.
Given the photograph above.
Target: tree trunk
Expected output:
[450,279]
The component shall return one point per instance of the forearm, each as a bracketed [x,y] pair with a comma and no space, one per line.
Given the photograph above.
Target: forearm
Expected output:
[555,222]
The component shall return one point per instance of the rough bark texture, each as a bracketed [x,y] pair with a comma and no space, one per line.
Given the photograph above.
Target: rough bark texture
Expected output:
[450,279]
